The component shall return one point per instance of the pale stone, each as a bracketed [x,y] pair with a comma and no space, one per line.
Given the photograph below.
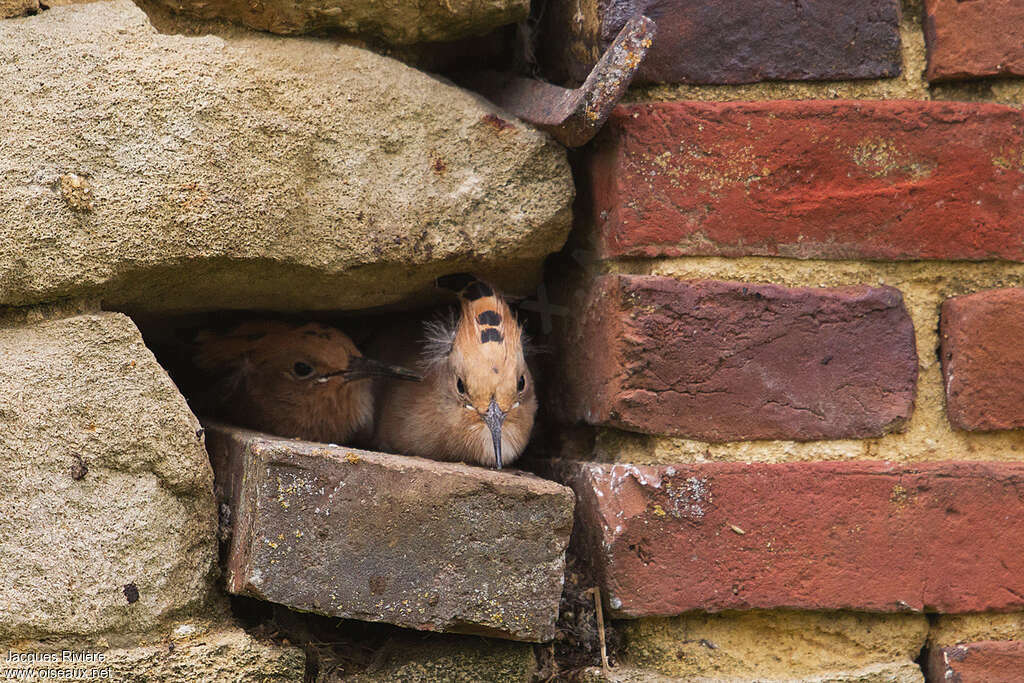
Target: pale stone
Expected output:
[163,172]
[107,491]
[953,629]
[17,8]
[398,22]
[213,652]
[778,645]
[453,659]
[896,672]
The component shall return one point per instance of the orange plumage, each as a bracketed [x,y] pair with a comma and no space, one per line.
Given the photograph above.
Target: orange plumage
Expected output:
[476,402]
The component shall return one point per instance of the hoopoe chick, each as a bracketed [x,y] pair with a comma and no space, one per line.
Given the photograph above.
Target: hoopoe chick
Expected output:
[308,382]
[476,402]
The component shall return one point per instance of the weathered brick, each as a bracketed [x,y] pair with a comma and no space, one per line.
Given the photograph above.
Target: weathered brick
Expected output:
[991,660]
[976,38]
[869,536]
[422,544]
[810,179]
[723,361]
[983,359]
[709,42]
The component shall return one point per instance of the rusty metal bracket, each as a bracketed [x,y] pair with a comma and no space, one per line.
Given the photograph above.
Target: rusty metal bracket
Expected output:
[573,116]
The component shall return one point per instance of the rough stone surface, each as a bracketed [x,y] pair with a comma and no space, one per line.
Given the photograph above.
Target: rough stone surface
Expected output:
[17,8]
[398,22]
[978,662]
[377,537]
[976,38]
[868,536]
[723,361]
[953,629]
[455,660]
[765,646]
[185,651]
[109,516]
[902,672]
[814,179]
[983,360]
[261,173]
[707,42]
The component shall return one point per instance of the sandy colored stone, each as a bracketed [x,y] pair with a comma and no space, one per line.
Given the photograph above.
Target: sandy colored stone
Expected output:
[398,22]
[845,646]
[952,629]
[455,660]
[17,8]
[183,651]
[258,173]
[927,436]
[892,672]
[108,493]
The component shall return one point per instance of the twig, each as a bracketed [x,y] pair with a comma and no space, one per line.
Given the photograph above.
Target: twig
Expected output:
[600,628]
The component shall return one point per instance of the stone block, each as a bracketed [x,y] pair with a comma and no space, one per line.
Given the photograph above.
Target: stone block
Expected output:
[110,521]
[376,537]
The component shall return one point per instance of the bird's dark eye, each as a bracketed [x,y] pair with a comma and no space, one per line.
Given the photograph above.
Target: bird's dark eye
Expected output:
[460,386]
[521,384]
[302,370]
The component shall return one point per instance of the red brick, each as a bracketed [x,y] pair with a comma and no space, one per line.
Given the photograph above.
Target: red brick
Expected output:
[983,359]
[740,42]
[966,39]
[811,179]
[980,662]
[421,544]
[870,536]
[723,361]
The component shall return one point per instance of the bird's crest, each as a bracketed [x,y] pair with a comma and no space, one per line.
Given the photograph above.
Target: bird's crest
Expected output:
[485,329]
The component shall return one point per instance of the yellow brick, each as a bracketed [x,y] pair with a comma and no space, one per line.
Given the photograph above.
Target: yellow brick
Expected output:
[950,629]
[775,644]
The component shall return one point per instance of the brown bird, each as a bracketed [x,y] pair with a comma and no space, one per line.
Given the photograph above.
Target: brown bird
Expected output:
[476,402]
[308,381]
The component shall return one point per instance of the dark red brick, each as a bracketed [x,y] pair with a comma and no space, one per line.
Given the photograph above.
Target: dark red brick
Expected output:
[868,536]
[983,359]
[811,179]
[723,361]
[981,662]
[740,42]
[966,39]
[422,544]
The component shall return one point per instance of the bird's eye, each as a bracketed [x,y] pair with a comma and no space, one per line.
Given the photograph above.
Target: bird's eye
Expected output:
[521,384]
[460,386]
[302,370]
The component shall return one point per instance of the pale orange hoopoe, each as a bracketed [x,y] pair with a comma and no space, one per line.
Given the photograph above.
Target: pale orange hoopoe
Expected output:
[307,381]
[476,402]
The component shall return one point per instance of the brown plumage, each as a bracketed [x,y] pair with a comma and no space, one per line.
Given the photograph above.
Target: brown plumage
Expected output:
[476,402]
[308,381]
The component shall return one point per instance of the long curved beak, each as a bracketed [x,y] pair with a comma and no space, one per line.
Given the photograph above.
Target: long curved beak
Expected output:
[493,418]
[363,368]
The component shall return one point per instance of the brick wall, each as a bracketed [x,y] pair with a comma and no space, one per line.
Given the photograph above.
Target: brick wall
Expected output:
[792,340]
